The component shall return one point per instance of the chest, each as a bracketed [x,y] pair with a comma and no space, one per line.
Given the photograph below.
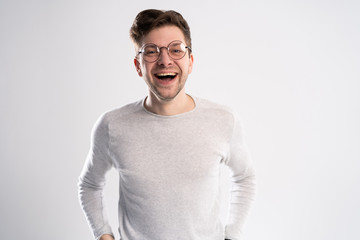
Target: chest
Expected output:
[168,151]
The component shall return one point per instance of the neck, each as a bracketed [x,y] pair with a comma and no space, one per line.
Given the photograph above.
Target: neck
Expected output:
[180,104]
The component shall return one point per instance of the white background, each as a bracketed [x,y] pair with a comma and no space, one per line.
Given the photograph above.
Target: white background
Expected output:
[291,68]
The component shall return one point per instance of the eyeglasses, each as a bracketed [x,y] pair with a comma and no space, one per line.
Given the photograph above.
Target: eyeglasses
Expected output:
[151,52]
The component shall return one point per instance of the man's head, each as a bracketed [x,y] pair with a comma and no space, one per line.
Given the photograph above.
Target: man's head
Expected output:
[162,40]
[150,19]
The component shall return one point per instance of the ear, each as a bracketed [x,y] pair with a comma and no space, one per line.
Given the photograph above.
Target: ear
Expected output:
[191,62]
[138,67]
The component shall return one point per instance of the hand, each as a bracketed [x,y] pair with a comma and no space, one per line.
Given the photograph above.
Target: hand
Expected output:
[106,237]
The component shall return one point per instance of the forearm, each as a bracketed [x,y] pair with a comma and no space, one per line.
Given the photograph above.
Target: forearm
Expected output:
[242,196]
[91,201]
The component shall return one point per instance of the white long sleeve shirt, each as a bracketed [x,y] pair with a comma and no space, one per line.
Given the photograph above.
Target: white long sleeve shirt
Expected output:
[169,170]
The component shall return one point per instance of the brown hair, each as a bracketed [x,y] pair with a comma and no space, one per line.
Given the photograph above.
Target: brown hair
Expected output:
[150,19]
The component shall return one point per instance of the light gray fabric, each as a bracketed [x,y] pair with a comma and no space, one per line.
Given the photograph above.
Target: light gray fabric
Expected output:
[169,169]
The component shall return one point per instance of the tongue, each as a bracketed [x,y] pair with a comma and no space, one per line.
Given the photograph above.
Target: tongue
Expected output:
[166,79]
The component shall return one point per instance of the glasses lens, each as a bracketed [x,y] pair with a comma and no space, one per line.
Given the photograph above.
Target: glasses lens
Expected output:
[151,52]
[177,50]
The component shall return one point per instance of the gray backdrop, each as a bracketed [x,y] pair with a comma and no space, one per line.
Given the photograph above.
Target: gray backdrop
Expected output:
[290,68]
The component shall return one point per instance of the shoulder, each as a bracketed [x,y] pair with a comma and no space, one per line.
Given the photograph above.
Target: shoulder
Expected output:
[123,111]
[120,114]
[208,107]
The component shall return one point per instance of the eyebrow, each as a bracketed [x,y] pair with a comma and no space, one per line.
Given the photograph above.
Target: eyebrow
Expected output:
[150,43]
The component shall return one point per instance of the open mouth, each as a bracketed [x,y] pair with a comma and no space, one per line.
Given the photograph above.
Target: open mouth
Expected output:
[166,76]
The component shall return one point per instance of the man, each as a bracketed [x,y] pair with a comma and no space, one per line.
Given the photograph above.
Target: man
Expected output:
[168,149]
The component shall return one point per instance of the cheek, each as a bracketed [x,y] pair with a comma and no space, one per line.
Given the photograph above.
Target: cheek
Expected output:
[146,68]
[147,74]
[190,69]
[191,61]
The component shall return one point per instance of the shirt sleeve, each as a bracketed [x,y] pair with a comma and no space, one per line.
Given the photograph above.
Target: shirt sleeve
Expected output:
[243,182]
[92,179]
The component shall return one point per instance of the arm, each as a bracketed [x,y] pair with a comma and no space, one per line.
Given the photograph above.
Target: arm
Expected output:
[243,183]
[92,181]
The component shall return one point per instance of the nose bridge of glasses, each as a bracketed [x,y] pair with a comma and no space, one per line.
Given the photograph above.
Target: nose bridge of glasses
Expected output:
[166,48]
[160,52]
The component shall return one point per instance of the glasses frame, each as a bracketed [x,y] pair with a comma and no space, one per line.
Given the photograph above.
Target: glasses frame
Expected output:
[141,51]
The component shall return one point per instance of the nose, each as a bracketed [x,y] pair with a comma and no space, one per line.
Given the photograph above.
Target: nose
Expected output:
[164,58]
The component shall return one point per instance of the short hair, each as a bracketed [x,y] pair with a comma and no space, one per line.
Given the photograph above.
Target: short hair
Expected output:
[150,19]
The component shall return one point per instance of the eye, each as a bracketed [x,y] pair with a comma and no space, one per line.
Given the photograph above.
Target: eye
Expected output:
[177,49]
[150,50]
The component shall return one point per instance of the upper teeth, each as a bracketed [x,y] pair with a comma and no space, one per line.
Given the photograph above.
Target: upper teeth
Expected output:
[166,74]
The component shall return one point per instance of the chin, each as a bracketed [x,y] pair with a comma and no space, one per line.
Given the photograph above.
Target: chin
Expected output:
[167,97]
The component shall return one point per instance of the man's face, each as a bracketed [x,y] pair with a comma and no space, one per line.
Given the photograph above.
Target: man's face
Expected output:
[165,77]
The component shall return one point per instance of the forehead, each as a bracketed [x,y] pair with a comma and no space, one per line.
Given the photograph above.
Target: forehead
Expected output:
[162,36]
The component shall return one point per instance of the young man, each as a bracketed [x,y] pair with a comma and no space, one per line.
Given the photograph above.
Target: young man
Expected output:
[168,149]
